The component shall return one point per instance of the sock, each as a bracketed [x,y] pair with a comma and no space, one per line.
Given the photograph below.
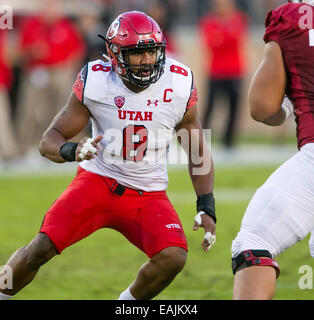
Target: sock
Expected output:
[5,296]
[126,295]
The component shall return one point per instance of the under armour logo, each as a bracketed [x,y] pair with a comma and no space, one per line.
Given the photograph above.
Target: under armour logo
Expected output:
[154,102]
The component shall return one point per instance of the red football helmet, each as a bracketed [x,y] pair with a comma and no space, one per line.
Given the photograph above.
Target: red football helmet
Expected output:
[135,30]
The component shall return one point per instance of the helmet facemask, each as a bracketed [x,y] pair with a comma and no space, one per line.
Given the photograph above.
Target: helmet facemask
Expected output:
[134,73]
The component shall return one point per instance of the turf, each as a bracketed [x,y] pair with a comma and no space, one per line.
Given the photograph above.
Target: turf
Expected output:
[104,264]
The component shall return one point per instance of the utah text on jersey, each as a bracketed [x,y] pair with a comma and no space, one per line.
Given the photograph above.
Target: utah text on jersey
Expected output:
[137,127]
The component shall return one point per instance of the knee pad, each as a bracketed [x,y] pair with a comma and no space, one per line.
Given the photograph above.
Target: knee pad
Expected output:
[250,258]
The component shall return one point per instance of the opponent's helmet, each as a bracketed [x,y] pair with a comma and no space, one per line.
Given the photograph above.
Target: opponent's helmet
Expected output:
[311,2]
[135,30]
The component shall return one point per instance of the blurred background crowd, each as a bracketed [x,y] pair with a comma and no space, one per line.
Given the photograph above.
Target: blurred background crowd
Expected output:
[221,40]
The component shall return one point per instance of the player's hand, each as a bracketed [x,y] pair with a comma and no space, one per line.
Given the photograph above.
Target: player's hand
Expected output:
[87,149]
[206,222]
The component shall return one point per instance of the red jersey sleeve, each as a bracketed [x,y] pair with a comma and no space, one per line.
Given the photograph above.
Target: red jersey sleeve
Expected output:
[79,84]
[193,96]
[273,27]
[282,23]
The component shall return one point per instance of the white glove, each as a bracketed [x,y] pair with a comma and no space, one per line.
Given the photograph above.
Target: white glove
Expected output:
[198,218]
[87,147]
[211,238]
[287,106]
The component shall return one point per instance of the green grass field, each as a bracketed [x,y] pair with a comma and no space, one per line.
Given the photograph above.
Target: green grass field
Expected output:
[103,265]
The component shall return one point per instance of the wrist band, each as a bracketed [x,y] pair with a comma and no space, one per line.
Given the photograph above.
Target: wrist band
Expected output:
[67,151]
[206,203]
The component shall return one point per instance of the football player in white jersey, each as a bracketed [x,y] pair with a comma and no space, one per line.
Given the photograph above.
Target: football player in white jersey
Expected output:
[136,101]
[281,211]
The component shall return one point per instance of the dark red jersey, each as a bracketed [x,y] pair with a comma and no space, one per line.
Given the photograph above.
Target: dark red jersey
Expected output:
[289,26]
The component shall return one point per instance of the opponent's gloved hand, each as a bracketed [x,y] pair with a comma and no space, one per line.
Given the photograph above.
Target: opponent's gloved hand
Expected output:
[206,219]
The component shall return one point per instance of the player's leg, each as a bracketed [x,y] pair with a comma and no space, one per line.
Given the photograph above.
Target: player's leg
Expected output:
[255,277]
[26,261]
[28,111]
[8,143]
[71,218]
[213,88]
[156,274]
[279,215]
[246,282]
[152,224]
[232,89]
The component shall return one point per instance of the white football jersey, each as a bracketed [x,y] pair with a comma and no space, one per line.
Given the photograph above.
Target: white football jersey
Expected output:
[136,127]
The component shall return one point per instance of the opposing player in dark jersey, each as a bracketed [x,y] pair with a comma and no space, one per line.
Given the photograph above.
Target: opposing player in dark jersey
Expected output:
[282,210]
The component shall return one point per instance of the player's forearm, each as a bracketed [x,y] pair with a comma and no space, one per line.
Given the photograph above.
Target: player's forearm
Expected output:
[50,144]
[282,115]
[203,185]
[266,110]
[276,119]
[202,177]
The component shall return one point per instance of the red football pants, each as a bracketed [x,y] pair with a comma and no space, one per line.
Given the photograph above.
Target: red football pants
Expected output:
[146,219]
